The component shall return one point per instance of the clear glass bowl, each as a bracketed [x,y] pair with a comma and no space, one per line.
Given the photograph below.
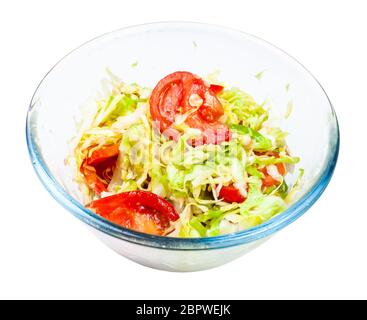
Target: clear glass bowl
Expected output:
[159,49]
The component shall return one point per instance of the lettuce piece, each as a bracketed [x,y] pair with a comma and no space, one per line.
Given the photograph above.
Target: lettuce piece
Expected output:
[289,109]
[241,108]
[254,196]
[191,157]
[276,135]
[197,171]
[251,170]
[250,221]
[265,160]
[158,180]
[116,106]
[197,225]
[261,205]
[134,159]
[128,185]
[176,178]
[260,142]
[259,75]
[270,190]
[124,106]
[211,214]
[269,207]
[293,190]
[214,229]
[188,231]
[200,174]
[282,190]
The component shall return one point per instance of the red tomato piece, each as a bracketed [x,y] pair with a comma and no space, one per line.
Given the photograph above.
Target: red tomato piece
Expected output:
[142,211]
[148,223]
[102,154]
[231,194]
[92,179]
[98,167]
[281,168]
[183,92]
[216,88]
[268,180]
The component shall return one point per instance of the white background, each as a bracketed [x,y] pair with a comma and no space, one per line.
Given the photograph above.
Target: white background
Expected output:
[46,253]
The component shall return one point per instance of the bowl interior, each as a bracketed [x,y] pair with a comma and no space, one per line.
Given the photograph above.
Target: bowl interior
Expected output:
[159,49]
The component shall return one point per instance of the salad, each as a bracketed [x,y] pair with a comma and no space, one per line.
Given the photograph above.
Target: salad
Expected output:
[187,159]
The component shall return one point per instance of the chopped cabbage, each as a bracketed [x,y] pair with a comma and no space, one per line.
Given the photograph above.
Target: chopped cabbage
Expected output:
[191,177]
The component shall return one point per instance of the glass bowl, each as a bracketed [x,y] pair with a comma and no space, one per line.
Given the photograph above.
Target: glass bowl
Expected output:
[146,53]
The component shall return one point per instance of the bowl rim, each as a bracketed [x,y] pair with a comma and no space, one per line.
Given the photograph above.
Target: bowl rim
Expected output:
[263,230]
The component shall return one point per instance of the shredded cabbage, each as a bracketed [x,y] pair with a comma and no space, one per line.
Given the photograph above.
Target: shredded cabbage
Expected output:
[191,177]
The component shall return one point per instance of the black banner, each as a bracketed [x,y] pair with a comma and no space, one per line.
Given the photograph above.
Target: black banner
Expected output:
[179,309]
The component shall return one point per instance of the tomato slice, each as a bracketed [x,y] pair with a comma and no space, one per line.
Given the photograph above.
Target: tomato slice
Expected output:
[183,92]
[231,194]
[98,167]
[140,210]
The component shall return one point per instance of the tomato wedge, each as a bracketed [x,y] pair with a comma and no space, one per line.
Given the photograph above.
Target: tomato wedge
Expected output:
[185,93]
[98,167]
[140,210]
[231,194]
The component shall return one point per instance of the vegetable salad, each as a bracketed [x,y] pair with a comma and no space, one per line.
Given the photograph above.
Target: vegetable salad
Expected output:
[187,159]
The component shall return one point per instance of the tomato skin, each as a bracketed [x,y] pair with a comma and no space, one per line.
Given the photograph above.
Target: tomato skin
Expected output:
[128,218]
[135,199]
[231,194]
[139,210]
[216,88]
[97,167]
[173,96]
[102,154]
